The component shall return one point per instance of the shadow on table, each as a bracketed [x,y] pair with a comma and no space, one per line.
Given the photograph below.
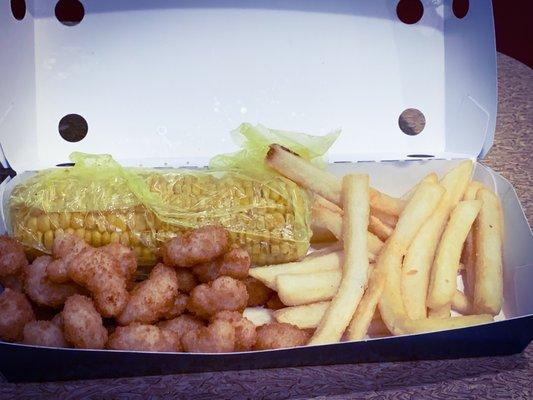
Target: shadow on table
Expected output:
[281,383]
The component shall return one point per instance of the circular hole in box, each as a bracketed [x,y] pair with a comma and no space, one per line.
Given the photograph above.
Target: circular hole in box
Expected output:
[460,8]
[69,12]
[18,9]
[410,11]
[412,121]
[73,128]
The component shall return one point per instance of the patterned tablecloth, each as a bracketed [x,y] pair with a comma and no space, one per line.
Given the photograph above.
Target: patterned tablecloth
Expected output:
[483,378]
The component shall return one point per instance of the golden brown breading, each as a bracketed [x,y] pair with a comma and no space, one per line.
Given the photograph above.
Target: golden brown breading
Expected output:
[217,337]
[66,248]
[12,257]
[186,280]
[43,333]
[15,282]
[57,320]
[39,288]
[15,312]
[274,303]
[245,335]
[258,293]
[279,335]
[126,259]
[178,307]
[222,294]
[234,263]
[143,338]
[180,325]
[98,272]
[82,325]
[195,246]
[152,298]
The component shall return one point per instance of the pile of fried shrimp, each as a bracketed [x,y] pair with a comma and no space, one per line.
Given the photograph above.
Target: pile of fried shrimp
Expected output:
[193,301]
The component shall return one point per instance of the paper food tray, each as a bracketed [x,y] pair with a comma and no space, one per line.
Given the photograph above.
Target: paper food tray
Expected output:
[161,83]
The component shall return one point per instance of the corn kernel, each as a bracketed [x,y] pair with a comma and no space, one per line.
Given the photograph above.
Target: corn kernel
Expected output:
[64,220]
[43,223]
[32,224]
[115,238]
[70,231]
[106,238]
[54,220]
[96,239]
[76,221]
[48,239]
[80,232]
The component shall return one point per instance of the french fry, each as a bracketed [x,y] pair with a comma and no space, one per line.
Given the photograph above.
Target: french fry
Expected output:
[307,316]
[429,178]
[332,221]
[436,324]
[469,252]
[258,315]
[488,280]
[442,312]
[319,201]
[304,173]
[443,279]
[387,219]
[355,270]
[420,207]
[327,262]
[419,258]
[379,228]
[322,182]
[362,319]
[298,289]
[461,303]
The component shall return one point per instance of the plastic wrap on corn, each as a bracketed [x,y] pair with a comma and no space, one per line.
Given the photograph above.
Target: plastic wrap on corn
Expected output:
[103,202]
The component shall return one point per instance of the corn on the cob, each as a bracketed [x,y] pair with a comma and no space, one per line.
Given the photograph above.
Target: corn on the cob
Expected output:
[265,223]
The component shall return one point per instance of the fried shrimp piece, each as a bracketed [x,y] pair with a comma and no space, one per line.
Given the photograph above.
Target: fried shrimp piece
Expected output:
[39,288]
[234,263]
[82,324]
[222,294]
[57,320]
[12,257]
[258,293]
[245,334]
[178,307]
[126,259]
[97,271]
[152,298]
[65,249]
[15,312]
[143,338]
[186,280]
[278,335]
[196,246]
[217,337]
[43,333]
[15,282]
[180,325]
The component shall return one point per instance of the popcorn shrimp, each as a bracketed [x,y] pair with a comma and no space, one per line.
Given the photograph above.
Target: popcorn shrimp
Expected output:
[12,257]
[195,246]
[218,337]
[143,338]
[245,334]
[43,333]
[279,335]
[82,324]
[15,312]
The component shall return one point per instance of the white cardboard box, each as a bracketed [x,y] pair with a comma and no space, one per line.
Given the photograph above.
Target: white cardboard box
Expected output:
[161,83]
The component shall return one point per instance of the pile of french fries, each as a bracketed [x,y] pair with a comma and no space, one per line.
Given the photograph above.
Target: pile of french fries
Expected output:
[394,266]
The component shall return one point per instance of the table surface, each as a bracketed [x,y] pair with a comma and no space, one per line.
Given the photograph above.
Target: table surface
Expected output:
[487,378]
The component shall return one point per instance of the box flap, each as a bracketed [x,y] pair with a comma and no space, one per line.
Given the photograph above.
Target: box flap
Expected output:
[165,81]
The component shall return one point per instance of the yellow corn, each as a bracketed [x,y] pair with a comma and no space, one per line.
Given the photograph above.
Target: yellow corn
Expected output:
[266,230]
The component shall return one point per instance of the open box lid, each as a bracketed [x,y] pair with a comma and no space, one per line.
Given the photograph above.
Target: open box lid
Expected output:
[163,82]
